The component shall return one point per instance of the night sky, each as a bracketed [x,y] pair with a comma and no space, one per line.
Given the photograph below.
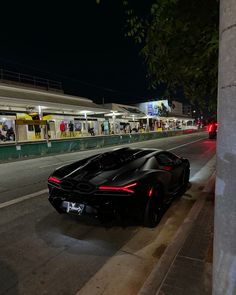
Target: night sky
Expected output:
[79,43]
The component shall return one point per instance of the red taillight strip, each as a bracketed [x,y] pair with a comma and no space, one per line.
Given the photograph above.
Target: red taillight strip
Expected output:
[150,192]
[119,188]
[54,179]
[168,168]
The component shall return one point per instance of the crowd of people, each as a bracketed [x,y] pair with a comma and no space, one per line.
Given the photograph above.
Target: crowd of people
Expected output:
[9,135]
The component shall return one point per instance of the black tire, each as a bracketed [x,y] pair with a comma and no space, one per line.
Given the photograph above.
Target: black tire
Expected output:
[212,136]
[186,183]
[186,176]
[154,209]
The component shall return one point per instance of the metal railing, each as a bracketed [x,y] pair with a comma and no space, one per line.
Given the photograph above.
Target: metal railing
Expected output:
[10,77]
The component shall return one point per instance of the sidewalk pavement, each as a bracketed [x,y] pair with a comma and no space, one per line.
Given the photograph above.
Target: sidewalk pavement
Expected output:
[185,267]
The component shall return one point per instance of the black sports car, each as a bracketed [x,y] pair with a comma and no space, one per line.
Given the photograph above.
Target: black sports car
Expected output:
[131,181]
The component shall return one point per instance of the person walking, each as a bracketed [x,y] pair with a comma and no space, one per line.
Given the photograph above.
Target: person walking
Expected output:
[71,129]
[10,135]
[62,129]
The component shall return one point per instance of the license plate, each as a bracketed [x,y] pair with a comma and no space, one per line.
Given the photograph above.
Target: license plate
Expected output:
[75,208]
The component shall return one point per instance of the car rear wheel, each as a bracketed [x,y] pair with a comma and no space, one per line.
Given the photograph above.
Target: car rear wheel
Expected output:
[154,209]
[212,136]
[186,177]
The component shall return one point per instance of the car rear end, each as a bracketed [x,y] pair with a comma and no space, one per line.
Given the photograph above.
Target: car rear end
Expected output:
[86,198]
[105,184]
[212,130]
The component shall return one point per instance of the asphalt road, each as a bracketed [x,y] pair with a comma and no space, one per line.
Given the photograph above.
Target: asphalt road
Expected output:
[42,252]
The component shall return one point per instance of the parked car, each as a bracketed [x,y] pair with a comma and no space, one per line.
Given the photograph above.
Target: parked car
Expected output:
[212,130]
[125,181]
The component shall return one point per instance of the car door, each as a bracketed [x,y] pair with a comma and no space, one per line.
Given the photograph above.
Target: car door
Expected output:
[169,162]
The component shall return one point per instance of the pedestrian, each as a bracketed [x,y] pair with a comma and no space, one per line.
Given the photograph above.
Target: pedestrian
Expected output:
[102,127]
[37,131]
[62,128]
[71,129]
[2,137]
[10,135]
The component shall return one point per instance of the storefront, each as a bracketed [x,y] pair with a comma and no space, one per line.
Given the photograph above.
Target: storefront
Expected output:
[65,115]
[69,116]
[60,126]
[163,115]
[177,123]
[7,127]
[125,119]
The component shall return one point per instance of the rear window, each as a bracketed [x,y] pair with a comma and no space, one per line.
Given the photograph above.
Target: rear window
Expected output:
[165,158]
[108,161]
[117,159]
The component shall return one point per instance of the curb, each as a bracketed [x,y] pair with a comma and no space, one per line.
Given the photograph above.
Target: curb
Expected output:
[154,281]
[210,185]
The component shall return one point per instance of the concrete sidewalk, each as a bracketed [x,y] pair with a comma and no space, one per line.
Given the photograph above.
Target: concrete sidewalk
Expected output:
[185,267]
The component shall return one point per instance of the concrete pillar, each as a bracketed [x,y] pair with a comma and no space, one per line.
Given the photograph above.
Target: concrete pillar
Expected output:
[114,123]
[224,263]
[86,123]
[40,112]
[147,126]
[43,128]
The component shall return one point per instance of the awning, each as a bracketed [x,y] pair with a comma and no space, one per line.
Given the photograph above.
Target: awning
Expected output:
[125,110]
[20,97]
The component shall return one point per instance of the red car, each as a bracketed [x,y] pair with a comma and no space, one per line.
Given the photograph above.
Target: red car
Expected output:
[212,130]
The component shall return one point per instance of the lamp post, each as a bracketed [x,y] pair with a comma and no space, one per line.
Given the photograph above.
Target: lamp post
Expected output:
[86,122]
[147,125]
[114,122]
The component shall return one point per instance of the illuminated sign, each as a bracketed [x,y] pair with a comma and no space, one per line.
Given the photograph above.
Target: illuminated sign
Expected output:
[155,108]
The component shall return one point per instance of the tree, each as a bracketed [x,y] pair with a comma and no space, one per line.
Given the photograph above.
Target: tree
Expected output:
[179,40]
[179,44]
[163,111]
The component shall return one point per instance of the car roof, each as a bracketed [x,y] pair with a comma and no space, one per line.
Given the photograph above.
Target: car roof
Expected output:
[117,158]
[143,152]
[123,149]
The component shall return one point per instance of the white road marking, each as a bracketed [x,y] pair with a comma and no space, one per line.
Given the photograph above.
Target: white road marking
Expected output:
[191,142]
[56,164]
[21,199]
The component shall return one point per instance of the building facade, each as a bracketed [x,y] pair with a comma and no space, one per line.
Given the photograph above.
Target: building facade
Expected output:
[35,113]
